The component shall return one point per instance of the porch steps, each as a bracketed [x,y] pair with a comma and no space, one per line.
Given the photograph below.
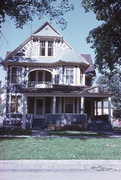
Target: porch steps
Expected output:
[38,124]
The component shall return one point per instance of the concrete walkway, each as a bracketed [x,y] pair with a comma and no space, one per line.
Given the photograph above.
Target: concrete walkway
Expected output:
[39,133]
[60,170]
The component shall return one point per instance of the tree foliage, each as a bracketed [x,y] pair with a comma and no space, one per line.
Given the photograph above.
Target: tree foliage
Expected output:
[113,84]
[106,38]
[23,11]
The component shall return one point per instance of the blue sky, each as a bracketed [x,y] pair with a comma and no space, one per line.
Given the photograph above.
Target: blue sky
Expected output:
[78,27]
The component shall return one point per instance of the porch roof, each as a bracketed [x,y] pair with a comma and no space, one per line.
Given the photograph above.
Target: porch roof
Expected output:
[68,91]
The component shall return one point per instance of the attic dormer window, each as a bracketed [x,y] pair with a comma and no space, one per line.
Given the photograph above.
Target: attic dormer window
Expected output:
[46,48]
[42,48]
[50,48]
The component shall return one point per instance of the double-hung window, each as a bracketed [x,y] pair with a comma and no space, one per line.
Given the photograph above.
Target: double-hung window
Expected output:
[46,48]
[42,48]
[16,74]
[50,48]
[69,75]
[15,104]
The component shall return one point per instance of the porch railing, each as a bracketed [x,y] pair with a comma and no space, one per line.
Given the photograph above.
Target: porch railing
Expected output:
[39,84]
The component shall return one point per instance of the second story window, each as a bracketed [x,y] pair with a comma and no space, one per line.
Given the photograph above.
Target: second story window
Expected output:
[14,75]
[42,48]
[69,75]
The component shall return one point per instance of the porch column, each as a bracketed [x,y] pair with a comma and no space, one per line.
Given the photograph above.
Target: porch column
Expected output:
[54,104]
[102,107]
[78,75]
[92,108]
[109,109]
[8,94]
[26,76]
[83,79]
[82,105]
[53,76]
[96,108]
[24,101]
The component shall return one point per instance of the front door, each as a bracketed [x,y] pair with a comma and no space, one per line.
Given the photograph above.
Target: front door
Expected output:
[39,108]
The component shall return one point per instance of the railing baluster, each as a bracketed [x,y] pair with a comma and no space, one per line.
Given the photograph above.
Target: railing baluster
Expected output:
[39,84]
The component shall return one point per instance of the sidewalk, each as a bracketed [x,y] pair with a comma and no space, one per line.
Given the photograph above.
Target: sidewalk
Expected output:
[92,165]
[60,169]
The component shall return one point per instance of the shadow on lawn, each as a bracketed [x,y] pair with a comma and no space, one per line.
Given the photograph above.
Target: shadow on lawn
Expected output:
[11,138]
[78,134]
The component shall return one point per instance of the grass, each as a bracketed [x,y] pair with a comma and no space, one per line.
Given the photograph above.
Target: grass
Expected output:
[60,148]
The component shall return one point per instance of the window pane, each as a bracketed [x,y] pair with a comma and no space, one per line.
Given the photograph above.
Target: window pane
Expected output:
[12,108]
[15,104]
[18,103]
[42,48]
[69,75]
[13,100]
[50,48]
[14,75]
[57,78]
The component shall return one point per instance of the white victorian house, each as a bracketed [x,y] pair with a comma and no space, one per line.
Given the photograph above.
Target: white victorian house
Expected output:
[49,84]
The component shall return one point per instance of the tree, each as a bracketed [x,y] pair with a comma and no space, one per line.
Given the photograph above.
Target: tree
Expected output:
[114,86]
[23,11]
[106,38]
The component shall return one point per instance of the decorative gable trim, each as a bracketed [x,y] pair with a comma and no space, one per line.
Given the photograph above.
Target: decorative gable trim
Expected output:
[28,42]
[47,25]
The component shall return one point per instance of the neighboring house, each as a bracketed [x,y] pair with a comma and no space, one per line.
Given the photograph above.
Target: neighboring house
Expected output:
[49,83]
[2,104]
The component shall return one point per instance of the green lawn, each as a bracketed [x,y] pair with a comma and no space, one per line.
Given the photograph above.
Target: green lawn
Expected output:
[60,148]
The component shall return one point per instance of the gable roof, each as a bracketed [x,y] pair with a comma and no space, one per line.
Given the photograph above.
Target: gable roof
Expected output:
[67,55]
[88,58]
[46,30]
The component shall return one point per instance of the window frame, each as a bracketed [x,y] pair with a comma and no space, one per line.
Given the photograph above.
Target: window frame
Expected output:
[42,49]
[15,104]
[46,48]
[15,77]
[70,75]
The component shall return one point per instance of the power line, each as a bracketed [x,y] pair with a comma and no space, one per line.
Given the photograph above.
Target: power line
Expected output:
[4,38]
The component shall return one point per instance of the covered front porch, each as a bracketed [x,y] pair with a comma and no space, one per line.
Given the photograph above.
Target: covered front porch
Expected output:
[39,108]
